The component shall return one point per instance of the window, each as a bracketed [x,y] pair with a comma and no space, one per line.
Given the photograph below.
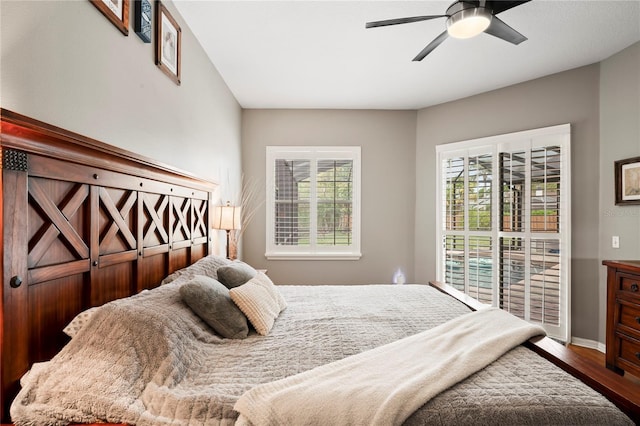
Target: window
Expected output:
[313,202]
[504,223]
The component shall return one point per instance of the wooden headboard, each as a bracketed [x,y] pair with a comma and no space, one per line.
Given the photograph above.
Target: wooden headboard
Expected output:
[83,223]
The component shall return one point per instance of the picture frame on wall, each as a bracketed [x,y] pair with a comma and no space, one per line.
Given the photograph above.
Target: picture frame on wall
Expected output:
[117,11]
[168,43]
[627,185]
[142,19]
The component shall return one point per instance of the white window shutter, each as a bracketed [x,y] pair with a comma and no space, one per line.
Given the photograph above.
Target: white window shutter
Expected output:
[504,223]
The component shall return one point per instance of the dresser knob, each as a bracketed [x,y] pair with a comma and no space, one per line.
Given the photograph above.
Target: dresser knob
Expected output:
[634,287]
[638,320]
[638,355]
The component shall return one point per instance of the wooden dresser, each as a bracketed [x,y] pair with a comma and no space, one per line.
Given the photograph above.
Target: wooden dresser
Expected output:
[623,315]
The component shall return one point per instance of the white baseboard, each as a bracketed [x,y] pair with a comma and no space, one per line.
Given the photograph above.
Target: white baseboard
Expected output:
[588,343]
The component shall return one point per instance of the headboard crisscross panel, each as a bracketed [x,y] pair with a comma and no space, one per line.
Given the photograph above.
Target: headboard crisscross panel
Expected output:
[83,223]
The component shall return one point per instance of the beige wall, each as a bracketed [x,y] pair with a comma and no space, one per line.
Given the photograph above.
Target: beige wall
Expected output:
[388,140]
[65,64]
[619,139]
[568,97]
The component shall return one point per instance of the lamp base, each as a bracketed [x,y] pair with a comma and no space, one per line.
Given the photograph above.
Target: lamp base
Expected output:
[228,232]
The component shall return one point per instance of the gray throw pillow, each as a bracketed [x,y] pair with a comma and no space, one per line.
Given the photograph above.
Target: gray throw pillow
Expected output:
[235,274]
[210,300]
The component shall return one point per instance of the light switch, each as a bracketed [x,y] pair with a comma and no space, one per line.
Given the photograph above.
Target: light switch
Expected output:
[615,241]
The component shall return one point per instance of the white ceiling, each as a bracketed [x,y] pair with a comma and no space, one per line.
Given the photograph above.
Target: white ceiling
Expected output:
[318,54]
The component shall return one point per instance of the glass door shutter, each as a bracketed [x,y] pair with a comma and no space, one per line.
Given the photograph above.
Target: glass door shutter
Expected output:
[503,223]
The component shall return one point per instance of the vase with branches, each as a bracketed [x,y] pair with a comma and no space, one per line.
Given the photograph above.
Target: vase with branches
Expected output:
[250,198]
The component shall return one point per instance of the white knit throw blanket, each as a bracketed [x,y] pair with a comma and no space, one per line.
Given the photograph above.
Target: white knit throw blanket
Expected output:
[385,385]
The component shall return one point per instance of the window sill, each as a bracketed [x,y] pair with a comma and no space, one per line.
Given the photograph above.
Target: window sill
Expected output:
[313,256]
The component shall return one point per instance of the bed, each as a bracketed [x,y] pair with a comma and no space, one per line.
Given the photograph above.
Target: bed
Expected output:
[104,227]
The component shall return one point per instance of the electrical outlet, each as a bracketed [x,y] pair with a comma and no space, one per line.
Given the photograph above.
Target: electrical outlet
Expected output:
[615,241]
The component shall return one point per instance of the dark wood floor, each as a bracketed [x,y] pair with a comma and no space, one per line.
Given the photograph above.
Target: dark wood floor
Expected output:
[598,357]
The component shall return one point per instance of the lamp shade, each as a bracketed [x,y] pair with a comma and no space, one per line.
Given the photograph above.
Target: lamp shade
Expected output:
[227,217]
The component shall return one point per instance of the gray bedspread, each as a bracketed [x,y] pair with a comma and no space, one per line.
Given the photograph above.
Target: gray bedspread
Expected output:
[149,360]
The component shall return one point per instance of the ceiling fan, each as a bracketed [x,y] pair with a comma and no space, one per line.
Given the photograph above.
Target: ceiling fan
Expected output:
[465,19]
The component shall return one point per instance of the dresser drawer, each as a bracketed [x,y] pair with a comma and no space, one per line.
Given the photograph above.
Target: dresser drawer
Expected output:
[630,351]
[630,316]
[630,284]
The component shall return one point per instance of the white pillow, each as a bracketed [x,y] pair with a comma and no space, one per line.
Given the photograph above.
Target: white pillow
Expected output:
[261,302]
[78,322]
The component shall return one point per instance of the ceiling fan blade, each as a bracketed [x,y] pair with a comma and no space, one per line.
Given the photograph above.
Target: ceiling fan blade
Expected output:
[402,20]
[435,43]
[501,6]
[499,29]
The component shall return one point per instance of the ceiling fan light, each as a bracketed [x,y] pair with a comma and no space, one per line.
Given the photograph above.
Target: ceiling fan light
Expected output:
[468,23]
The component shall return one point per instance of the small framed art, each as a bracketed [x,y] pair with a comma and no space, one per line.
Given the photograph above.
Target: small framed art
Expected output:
[117,11]
[142,19]
[168,40]
[627,174]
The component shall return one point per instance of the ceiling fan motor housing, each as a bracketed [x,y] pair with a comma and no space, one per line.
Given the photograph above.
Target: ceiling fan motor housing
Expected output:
[460,5]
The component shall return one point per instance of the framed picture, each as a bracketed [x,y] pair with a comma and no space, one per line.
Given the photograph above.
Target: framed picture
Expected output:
[628,181]
[117,11]
[142,19]
[168,40]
